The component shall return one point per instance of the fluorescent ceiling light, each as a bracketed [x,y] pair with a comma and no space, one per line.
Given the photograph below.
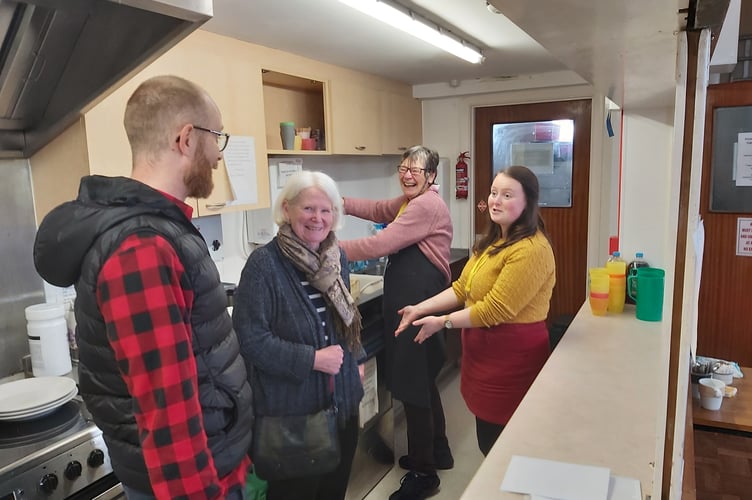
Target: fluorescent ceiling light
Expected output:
[410,22]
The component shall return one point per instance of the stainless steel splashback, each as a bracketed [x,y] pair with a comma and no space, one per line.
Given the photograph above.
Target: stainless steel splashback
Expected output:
[20,285]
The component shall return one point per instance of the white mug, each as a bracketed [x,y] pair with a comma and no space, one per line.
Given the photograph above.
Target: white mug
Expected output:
[711,393]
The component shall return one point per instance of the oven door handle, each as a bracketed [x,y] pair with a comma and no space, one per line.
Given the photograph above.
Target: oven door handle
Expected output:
[114,493]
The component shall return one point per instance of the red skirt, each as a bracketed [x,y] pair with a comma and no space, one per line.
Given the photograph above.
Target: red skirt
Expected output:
[499,365]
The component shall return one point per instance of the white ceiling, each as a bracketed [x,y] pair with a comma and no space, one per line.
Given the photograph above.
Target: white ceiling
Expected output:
[625,47]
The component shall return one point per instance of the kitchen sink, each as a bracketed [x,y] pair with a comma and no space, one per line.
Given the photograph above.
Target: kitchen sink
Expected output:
[365,287]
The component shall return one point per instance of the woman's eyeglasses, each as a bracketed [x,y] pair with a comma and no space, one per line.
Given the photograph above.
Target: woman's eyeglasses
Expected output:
[413,170]
[222,137]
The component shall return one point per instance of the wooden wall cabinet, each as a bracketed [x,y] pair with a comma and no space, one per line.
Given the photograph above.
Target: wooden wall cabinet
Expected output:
[293,98]
[401,125]
[356,119]
[255,88]
[223,66]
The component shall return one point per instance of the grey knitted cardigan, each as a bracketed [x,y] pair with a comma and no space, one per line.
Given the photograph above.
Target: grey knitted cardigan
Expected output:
[279,331]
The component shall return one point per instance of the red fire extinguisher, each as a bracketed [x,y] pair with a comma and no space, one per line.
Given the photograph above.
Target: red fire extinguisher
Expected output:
[461,180]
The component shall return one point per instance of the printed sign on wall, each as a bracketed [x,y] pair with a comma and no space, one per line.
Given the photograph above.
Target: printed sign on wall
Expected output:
[744,236]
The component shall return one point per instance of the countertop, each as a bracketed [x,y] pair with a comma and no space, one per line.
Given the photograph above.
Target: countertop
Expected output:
[596,402]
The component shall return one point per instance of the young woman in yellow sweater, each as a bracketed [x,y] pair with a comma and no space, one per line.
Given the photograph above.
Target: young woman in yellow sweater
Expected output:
[504,291]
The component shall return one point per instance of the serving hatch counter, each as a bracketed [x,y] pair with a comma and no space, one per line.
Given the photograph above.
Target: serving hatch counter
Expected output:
[599,400]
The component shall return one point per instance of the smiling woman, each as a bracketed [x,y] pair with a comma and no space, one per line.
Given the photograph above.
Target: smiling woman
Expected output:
[416,240]
[299,330]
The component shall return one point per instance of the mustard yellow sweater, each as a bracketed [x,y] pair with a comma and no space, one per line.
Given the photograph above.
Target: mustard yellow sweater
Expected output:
[513,286]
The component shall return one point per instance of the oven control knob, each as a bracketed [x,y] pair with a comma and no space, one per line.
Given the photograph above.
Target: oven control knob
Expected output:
[48,483]
[73,470]
[96,458]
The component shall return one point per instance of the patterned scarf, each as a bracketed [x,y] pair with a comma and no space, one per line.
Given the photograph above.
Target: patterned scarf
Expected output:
[322,270]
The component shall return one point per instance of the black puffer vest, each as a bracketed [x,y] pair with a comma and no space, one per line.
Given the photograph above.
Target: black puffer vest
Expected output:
[224,392]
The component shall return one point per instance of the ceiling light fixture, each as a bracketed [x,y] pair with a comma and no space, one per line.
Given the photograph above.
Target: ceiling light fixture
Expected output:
[492,8]
[408,21]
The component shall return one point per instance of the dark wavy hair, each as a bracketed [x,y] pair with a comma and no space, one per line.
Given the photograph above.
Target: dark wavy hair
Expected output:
[527,224]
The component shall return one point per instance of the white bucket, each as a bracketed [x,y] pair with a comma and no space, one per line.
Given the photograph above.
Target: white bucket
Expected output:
[47,332]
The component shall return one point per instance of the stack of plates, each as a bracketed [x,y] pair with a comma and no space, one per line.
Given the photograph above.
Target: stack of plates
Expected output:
[32,398]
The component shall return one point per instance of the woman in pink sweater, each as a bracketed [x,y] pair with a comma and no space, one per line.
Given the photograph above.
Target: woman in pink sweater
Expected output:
[417,240]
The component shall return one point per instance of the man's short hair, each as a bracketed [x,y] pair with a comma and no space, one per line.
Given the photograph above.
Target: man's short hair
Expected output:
[158,108]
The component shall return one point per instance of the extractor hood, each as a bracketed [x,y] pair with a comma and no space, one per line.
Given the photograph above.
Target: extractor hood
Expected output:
[60,56]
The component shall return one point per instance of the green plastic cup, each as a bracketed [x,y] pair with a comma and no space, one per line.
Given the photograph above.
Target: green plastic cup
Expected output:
[650,282]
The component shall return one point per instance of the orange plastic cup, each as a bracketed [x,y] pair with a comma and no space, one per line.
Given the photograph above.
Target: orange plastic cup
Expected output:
[599,284]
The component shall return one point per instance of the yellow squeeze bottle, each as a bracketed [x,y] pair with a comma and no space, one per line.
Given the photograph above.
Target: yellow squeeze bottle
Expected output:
[617,269]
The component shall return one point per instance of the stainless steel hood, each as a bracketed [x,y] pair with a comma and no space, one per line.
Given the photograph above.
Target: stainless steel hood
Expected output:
[60,56]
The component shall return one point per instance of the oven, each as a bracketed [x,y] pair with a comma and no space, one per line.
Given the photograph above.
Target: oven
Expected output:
[374,456]
[60,456]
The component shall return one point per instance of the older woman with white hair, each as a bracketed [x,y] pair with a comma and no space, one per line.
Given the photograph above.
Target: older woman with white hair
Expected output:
[299,328]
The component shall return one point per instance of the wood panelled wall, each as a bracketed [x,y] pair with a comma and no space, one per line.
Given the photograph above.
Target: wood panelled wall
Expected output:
[724,327]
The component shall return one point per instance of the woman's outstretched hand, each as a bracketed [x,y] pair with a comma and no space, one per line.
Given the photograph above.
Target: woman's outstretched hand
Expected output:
[409,314]
[428,326]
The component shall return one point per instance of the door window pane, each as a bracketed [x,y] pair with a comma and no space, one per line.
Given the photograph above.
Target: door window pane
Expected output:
[545,148]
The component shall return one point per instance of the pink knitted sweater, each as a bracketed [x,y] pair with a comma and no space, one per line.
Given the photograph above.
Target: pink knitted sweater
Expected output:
[425,221]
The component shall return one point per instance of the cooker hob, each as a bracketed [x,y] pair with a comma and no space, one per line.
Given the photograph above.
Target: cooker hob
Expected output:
[52,457]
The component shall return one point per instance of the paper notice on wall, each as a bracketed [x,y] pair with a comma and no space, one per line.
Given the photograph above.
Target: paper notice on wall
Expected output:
[369,405]
[240,161]
[743,173]
[286,169]
[698,242]
[744,237]
[538,157]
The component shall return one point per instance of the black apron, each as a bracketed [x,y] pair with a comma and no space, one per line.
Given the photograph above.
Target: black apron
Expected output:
[411,367]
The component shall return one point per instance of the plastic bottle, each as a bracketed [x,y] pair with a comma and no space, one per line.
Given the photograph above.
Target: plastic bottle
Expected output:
[375,228]
[47,333]
[617,290]
[638,262]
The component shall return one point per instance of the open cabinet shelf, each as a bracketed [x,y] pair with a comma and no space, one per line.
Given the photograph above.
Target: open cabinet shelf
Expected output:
[291,98]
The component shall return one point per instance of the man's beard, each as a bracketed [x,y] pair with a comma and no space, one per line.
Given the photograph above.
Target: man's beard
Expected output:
[198,181]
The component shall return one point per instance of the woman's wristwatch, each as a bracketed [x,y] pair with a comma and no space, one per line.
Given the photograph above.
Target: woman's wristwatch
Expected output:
[448,323]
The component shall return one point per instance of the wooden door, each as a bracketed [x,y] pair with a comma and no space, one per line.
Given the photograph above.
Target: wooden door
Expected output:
[567,226]
[725,305]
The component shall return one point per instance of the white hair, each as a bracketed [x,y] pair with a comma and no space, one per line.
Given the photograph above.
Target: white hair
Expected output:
[307,179]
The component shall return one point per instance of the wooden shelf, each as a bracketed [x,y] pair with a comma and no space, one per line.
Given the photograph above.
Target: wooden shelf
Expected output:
[291,98]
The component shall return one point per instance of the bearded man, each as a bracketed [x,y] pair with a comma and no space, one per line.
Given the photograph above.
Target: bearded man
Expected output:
[159,362]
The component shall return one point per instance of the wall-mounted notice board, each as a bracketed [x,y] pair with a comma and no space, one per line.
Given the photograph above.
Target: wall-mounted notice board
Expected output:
[731,162]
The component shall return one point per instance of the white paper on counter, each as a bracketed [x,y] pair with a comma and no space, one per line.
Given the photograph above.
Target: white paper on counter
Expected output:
[240,161]
[559,480]
[619,488]
[624,488]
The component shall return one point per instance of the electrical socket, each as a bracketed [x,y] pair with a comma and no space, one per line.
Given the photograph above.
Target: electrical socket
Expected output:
[210,228]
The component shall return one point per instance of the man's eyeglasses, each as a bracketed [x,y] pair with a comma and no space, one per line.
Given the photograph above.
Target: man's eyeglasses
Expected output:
[413,170]
[222,137]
